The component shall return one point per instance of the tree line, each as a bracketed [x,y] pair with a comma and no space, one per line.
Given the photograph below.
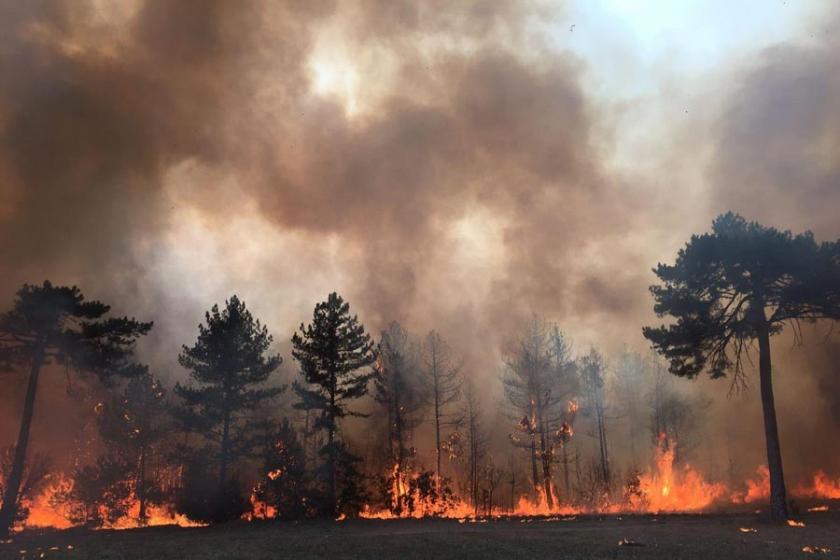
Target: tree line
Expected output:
[214,448]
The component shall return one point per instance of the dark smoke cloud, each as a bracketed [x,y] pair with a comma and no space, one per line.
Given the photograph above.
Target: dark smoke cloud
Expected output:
[468,192]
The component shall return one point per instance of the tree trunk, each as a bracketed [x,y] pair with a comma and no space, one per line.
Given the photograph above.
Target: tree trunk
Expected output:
[437,434]
[141,487]
[512,488]
[331,488]
[566,486]
[602,439]
[400,451]
[12,495]
[546,464]
[778,496]
[223,459]
[535,476]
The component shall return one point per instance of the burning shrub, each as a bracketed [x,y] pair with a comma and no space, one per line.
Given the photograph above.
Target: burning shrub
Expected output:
[417,495]
[35,477]
[354,492]
[97,494]
[202,499]
[286,488]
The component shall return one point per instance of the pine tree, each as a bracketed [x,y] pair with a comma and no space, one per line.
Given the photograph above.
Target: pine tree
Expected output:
[230,365]
[331,352]
[735,286]
[54,324]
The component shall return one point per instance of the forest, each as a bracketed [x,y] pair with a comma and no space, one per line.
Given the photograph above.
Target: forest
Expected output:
[389,425]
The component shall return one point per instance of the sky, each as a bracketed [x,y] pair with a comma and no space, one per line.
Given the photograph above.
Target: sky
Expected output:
[452,166]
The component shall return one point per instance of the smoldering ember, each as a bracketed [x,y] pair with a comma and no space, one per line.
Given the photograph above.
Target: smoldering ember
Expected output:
[413,279]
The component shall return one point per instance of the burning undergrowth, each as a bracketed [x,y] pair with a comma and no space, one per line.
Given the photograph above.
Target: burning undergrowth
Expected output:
[56,501]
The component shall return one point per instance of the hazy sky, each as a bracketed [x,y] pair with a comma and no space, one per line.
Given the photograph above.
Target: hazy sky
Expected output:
[455,166]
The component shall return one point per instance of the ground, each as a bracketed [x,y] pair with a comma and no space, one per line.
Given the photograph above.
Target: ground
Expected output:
[674,536]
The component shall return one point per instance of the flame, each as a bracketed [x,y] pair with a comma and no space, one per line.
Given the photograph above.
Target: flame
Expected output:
[666,489]
[422,506]
[822,486]
[758,488]
[816,549]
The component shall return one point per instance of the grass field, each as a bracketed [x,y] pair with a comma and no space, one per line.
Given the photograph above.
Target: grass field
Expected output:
[675,536]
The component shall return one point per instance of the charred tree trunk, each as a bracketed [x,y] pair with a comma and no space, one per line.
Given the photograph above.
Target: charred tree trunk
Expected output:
[545,455]
[400,449]
[437,433]
[566,486]
[331,458]
[141,487]
[778,496]
[512,488]
[535,475]
[602,440]
[11,497]
[223,457]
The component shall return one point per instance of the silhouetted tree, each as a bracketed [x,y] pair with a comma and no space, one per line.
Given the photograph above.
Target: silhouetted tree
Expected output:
[592,371]
[476,441]
[286,484]
[738,284]
[230,364]
[630,370]
[99,494]
[35,478]
[331,351]
[398,390]
[134,424]
[54,324]
[445,385]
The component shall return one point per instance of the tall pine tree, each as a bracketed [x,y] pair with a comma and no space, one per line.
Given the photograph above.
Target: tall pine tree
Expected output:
[332,352]
[54,324]
[230,364]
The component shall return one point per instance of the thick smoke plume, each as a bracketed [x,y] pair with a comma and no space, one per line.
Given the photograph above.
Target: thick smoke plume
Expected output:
[438,164]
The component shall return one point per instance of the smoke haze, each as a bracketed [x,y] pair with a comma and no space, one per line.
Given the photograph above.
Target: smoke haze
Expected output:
[454,166]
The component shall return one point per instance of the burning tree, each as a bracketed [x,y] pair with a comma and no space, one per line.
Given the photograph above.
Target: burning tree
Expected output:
[97,494]
[54,324]
[286,487]
[134,424]
[230,364]
[444,381]
[537,382]
[397,388]
[737,285]
[331,352]
[35,477]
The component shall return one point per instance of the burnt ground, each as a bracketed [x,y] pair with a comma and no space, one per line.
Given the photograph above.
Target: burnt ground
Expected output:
[666,536]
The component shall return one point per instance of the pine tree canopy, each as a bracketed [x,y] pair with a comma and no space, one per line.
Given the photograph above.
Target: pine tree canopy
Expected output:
[331,351]
[58,323]
[730,282]
[229,363]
